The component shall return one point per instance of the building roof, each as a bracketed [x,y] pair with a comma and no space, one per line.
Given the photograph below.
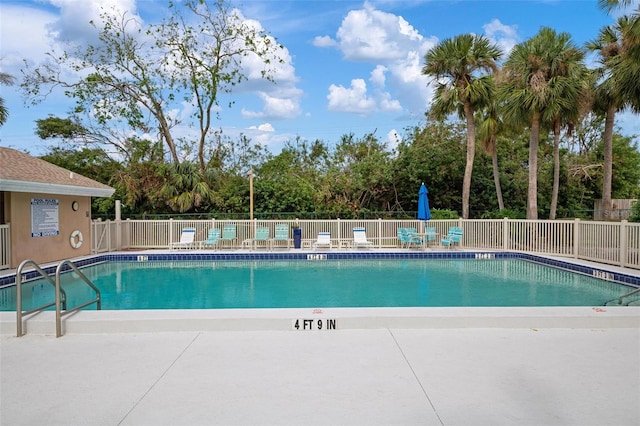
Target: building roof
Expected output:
[20,172]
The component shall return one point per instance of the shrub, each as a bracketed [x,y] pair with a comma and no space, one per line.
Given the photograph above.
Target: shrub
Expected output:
[444,214]
[635,212]
[501,214]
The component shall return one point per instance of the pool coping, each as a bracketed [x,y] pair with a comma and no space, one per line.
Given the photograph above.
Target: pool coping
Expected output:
[150,321]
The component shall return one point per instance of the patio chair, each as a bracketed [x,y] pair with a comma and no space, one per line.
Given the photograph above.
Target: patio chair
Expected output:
[324,240]
[213,237]
[262,236]
[408,236]
[453,237]
[430,235]
[228,234]
[187,239]
[360,238]
[281,235]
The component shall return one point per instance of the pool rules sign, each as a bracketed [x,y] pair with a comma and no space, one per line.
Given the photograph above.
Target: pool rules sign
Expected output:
[44,217]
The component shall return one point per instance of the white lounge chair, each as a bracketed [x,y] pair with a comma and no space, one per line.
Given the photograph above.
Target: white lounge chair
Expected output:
[360,238]
[187,239]
[324,240]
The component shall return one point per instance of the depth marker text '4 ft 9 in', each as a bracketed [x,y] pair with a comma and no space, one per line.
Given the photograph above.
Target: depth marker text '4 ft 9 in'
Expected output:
[314,324]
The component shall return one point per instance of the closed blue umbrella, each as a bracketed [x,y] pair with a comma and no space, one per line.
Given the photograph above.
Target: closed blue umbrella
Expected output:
[423,204]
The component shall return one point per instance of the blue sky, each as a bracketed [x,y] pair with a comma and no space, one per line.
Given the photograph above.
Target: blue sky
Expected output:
[350,66]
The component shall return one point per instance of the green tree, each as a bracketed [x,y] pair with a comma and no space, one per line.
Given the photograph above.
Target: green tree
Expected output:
[186,189]
[618,74]
[490,125]
[135,74]
[208,56]
[292,181]
[457,65]
[534,79]
[7,80]
[434,154]
[359,176]
[59,128]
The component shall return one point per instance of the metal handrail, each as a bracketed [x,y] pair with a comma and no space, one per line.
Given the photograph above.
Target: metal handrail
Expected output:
[19,312]
[619,299]
[59,312]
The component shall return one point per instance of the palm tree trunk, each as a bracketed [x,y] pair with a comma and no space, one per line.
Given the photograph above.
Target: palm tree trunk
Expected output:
[608,161]
[532,195]
[496,178]
[556,171]
[471,152]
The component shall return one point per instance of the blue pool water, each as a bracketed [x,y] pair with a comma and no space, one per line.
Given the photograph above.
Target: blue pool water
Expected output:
[328,283]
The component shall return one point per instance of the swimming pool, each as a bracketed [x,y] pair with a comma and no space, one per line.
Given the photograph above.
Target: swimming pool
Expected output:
[325,283]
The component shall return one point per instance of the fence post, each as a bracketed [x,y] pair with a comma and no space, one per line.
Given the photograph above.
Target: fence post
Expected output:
[379,232]
[505,233]
[576,238]
[170,231]
[118,226]
[623,243]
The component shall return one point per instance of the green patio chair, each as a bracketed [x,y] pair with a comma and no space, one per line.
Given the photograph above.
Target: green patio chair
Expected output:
[453,237]
[228,234]
[262,236]
[281,235]
[213,237]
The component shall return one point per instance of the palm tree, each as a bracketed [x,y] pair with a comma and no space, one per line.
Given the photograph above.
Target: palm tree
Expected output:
[457,65]
[186,188]
[537,85]
[490,125]
[617,88]
[7,80]
[565,110]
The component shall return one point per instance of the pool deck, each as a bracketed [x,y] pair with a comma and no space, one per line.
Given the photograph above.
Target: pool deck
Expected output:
[487,366]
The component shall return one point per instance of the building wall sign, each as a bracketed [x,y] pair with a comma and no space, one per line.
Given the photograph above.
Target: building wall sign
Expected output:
[44,217]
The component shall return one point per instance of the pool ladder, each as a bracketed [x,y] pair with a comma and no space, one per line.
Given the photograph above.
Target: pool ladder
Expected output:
[619,300]
[60,301]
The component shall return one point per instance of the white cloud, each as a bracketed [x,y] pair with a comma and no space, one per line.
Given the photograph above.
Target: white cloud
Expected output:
[275,108]
[31,44]
[324,41]
[393,139]
[505,36]
[265,127]
[353,99]
[280,100]
[387,104]
[74,21]
[395,49]
[372,35]
[377,75]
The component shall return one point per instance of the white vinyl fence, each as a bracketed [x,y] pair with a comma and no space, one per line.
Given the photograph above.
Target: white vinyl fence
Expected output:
[615,243]
[5,247]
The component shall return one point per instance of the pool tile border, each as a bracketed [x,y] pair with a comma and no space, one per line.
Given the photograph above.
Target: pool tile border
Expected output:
[602,273]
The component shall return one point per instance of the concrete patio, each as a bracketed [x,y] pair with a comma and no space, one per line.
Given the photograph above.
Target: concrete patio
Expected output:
[439,376]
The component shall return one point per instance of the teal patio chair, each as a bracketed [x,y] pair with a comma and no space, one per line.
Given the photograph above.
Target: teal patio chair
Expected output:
[408,237]
[281,235]
[430,235]
[262,236]
[453,237]
[213,237]
[228,234]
